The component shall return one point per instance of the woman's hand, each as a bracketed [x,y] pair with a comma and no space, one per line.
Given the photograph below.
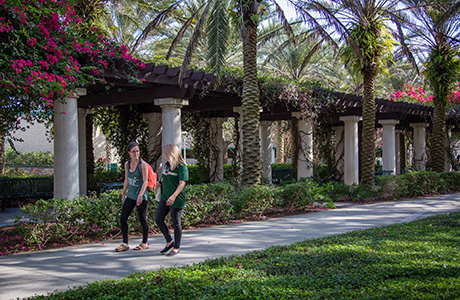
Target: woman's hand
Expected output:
[171,200]
[139,200]
[158,183]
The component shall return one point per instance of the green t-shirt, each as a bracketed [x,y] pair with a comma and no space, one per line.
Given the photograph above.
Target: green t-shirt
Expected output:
[171,180]
[135,184]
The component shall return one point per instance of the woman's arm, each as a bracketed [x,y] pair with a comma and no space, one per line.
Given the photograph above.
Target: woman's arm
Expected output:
[145,180]
[173,197]
[125,182]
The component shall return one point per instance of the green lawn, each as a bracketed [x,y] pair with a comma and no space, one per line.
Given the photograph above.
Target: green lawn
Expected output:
[418,260]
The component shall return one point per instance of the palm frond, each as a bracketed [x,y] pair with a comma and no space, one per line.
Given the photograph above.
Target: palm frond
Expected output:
[194,41]
[182,31]
[152,25]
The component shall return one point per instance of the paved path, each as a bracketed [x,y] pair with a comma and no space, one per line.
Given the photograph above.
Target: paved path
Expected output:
[27,274]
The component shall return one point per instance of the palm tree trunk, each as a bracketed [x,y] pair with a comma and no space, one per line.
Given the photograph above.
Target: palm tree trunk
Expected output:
[2,152]
[438,138]
[368,140]
[251,110]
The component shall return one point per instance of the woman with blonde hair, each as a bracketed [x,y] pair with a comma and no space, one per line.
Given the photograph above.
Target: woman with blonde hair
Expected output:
[173,181]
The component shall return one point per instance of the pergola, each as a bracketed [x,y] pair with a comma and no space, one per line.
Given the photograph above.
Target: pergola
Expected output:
[162,100]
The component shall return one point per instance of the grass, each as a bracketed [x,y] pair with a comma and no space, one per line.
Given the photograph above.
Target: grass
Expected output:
[417,260]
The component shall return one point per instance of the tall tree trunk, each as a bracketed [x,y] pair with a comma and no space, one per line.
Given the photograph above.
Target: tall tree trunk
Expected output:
[368,141]
[89,146]
[251,110]
[402,152]
[2,152]
[438,138]
[280,143]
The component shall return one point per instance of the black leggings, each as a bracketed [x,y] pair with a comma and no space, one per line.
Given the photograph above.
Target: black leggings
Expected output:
[160,216]
[128,206]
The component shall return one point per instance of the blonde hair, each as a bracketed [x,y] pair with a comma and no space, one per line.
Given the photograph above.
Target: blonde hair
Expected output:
[172,155]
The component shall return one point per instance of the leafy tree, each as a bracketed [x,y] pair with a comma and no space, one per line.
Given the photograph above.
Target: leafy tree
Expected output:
[45,56]
[436,31]
[213,19]
[364,27]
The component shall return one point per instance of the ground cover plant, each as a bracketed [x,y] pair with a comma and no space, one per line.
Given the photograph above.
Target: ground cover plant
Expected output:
[417,260]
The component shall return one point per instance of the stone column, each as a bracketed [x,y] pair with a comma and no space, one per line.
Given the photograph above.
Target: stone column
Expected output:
[155,149]
[66,148]
[171,121]
[266,148]
[351,157]
[419,158]
[217,159]
[82,113]
[339,150]
[398,151]
[389,145]
[305,159]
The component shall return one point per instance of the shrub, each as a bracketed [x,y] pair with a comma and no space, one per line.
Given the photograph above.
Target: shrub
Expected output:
[253,199]
[38,158]
[417,183]
[208,204]
[197,174]
[301,194]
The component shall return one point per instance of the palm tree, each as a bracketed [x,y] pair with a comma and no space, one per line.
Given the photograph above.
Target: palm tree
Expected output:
[363,26]
[213,17]
[436,31]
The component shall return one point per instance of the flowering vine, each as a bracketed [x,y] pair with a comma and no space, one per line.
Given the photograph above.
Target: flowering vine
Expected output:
[418,94]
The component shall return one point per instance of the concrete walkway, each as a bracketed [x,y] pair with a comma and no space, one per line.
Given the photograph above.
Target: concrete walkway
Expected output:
[41,272]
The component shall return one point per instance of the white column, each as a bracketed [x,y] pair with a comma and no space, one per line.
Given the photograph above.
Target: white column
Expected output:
[155,149]
[266,148]
[419,158]
[217,162]
[82,113]
[66,149]
[339,149]
[171,121]
[388,147]
[351,157]
[305,159]
[398,151]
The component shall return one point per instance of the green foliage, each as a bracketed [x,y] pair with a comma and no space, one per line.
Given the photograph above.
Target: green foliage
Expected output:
[208,204]
[58,221]
[416,260]
[123,125]
[197,174]
[38,158]
[281,166]
[419,183]
[301,194]
[442,71]
[254,199]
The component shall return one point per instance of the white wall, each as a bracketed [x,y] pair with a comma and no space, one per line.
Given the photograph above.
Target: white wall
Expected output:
[35,139]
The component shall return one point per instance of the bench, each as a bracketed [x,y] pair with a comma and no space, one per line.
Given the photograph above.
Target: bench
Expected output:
[25,188]
[280,175]
[110,186]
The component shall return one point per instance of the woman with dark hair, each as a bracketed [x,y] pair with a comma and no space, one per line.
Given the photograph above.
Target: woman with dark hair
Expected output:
[134,194]
[174,178]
